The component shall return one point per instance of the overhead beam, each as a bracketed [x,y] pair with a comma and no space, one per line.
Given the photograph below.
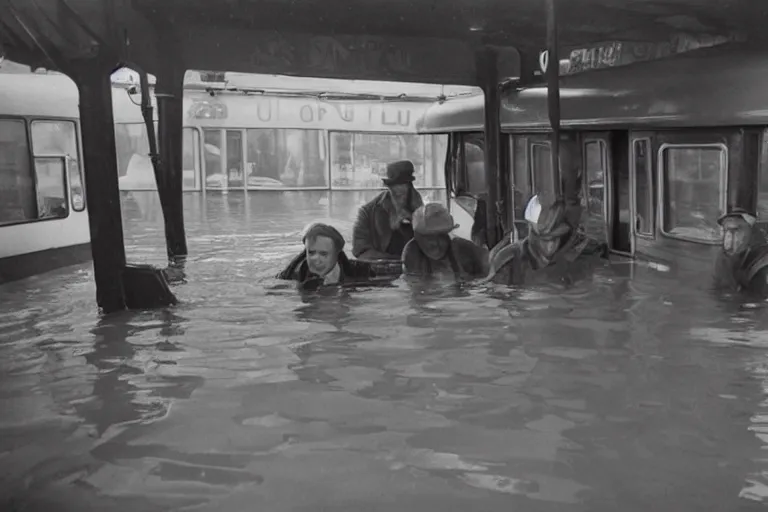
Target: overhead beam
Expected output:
[402,59]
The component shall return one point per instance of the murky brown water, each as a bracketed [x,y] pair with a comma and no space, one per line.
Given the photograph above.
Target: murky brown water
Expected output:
[628,393]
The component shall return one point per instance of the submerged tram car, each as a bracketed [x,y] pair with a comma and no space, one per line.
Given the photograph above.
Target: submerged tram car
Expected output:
[666,147]
[43,216]
[43,211]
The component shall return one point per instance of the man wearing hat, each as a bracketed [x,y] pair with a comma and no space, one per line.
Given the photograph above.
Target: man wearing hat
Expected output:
[323,261]
[743,261]
[553,250]
[383,225]
[433,252]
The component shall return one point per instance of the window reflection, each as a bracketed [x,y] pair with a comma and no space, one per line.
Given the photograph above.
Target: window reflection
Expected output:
[643,189]
[286,158]
[359,160]
[17,184]
[51,188]
[693,191]
[134,167]
[594,199]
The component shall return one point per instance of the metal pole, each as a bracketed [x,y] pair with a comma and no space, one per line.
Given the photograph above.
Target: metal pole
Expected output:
[553,89]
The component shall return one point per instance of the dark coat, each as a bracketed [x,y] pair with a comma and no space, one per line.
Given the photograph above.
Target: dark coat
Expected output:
[513,264]
[372,232]
[467,260]
[748,273]
[352,272]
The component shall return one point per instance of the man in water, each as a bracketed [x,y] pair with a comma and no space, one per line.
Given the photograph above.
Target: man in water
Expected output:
[553,249]
[323,261]
[742,264]
[383,225]
[432,250]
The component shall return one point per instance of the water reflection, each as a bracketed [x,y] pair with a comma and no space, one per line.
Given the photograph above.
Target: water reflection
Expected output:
[629,392]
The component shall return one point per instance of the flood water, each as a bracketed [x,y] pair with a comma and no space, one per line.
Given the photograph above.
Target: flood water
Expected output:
[635,391]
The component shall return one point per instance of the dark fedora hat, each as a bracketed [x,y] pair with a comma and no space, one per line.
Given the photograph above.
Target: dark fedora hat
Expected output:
[399,173]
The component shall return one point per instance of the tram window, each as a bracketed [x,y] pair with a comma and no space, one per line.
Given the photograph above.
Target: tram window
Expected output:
[191,158]
[286,158]
[643,187]
[436,150]
[762,182]
[234,160]
[541,169]
[59,138]
[693,191]
[17,183]
[521,174]
[474,182]
[214,175]
[134,166]
[593,199]
[51,188]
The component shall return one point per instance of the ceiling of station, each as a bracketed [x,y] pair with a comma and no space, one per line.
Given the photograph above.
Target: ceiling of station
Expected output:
[404,40]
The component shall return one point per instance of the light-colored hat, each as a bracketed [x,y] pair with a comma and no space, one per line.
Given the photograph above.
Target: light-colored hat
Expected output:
[739,212]
[433,219]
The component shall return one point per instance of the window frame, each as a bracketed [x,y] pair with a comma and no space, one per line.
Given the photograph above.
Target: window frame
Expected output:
[27,120]
[657,212]
[662,175]
[605,163]
[65,175]
[78,159]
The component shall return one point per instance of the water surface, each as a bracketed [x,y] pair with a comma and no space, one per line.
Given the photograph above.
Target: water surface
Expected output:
[633,391]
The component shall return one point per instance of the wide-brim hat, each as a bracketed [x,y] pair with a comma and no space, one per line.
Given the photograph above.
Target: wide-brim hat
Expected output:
[738,212]
[399,173]
[433,219]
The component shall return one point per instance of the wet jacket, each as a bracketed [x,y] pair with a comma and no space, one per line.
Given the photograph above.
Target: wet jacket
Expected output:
[465,259]
[513,264]
[352,272]
[372,232]
[748,272]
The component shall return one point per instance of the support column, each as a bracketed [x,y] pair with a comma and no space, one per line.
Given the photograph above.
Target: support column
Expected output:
[170,97]
[487,70]
[97,129]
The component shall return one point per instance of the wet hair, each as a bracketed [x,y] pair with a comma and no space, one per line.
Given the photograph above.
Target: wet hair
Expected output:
[320,229]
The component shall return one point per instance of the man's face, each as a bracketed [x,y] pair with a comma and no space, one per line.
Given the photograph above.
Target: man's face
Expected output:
[736,233]
[399,194]
[434,246]
[321,255]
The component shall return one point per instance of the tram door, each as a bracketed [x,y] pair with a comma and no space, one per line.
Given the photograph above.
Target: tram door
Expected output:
[606,192]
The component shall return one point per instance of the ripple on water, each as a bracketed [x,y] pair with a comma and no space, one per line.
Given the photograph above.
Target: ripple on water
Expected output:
[615,394]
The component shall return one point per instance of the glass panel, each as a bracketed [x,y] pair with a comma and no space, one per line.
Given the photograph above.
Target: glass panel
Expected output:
[286,158]
[17,183]
[235,165]
[643,188]
[693,191]
[522,175]
[474,156]
[51,188]
[541,168]
[214,176]
[76,191]
[191,159]
[342,171]
[134,167]
[60,138]
[435,168]
[593,199]
[762,182]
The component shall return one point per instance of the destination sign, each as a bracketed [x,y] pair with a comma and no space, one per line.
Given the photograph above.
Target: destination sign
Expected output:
[279,112]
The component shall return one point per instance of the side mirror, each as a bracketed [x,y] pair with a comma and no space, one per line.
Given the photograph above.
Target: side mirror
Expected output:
[533,210]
